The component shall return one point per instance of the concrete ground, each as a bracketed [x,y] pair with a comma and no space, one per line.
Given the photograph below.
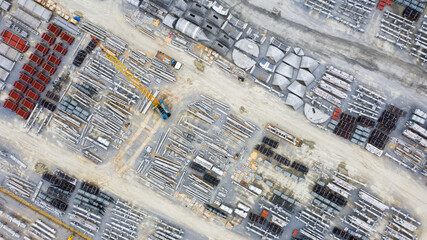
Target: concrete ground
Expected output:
[392,183]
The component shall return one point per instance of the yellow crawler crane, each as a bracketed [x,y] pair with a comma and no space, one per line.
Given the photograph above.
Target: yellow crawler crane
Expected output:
[158,106]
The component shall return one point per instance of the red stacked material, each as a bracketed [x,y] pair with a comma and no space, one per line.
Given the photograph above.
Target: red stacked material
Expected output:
[36,59]
[45,79]
[54,60]
[28,104]
[54,29]
[69,39]
[42,49]
[29,69]
[10,105]
[49,39]
[38,86]
[15,96]
[24,77]
[60,49]
[23,113]
[32,95]
[20,86]
[14,41]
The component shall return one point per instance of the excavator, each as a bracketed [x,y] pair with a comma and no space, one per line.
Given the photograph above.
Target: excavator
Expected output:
[71,237]
[158,106]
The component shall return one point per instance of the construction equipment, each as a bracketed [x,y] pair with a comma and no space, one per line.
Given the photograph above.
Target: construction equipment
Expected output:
[71,237]
[158,106]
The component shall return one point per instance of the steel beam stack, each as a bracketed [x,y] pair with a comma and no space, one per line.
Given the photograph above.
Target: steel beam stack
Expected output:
[367,103]
[239,129]
[20,186]
[94,30]
[166,231]
[124,222]
[419,49]
[284,135]
[198,188]
[41,230]
[368,212]
[396,30]
[401,226]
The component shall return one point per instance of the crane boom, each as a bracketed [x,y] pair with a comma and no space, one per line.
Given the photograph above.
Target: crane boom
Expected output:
[158,106]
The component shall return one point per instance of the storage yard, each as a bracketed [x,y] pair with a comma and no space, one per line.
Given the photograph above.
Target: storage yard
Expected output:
[175,119]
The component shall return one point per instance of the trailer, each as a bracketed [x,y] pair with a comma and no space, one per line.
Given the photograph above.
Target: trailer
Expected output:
[168,60]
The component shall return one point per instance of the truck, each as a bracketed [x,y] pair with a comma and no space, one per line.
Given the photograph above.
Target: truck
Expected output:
[168,60]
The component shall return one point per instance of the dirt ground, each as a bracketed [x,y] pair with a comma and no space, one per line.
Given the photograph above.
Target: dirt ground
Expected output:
[387,180]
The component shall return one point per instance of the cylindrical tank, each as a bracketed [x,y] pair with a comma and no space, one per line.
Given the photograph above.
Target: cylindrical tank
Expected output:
[191,30]
[170,21]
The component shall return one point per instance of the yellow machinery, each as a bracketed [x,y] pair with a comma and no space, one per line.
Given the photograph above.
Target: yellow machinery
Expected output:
[158,106]
[71,237]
